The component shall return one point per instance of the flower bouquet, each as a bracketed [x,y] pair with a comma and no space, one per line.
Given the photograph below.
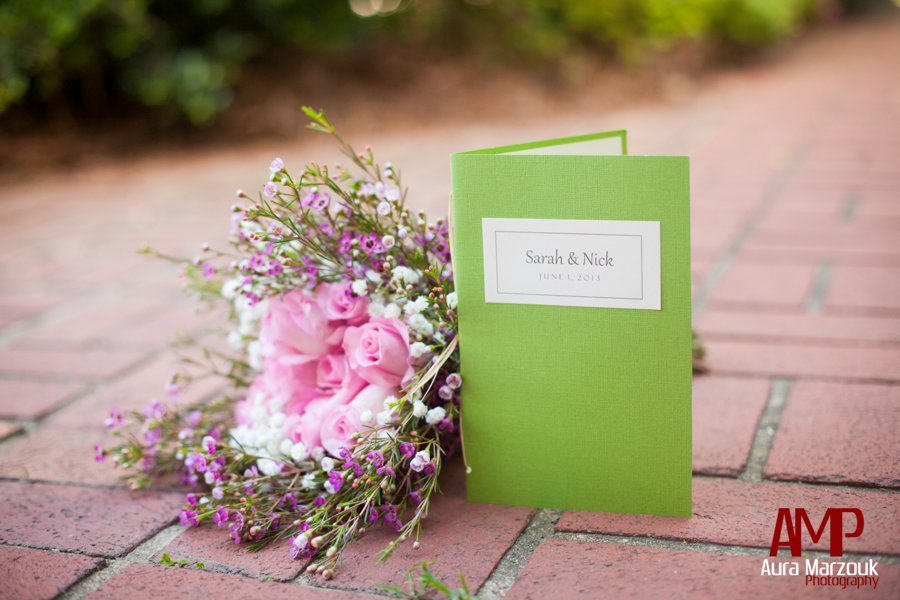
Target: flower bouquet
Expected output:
[342,399]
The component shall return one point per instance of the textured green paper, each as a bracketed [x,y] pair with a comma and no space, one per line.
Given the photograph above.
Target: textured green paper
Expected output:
[570,407]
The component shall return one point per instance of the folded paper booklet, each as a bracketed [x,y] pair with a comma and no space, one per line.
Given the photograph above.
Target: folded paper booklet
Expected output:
[572,265]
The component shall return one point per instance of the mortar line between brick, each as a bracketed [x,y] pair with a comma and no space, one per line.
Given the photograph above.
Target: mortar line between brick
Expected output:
[849,211]
[815,301]
[671,544]
[143,553]
[829,485]
[766,429]
[508,568]
[721,265]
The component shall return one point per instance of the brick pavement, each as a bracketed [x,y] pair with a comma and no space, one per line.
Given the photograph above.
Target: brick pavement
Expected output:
[796,217]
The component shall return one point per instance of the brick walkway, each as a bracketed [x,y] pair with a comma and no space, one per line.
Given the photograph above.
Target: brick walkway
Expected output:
[797,264]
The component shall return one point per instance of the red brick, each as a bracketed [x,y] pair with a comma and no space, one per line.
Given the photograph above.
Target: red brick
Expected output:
[747,285]
[59,454]
[36,574]
[460,536]
[8,429]
[88,364]
[726,411]
[214,548]
[875,289]
[765,326]
[151,582]
[833,432]
[796,360]
[133,391]
[733,512]
[96,521]
[576,569]
[33,399]
[768,255]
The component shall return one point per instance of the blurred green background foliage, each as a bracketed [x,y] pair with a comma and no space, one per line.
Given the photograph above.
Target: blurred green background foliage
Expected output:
[184,58]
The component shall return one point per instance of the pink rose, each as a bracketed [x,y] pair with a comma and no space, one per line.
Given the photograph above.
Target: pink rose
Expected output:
[307,427]
[295,325]
[343,421]
[291,381]
[379,351]
[338,303]
[331,371]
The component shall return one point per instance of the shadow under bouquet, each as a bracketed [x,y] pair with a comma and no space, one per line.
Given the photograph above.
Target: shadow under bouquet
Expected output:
[342,396]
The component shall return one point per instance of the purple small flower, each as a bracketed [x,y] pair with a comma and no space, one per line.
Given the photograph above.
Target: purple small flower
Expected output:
[196,462]
[445,392]
[335,482]
[276,165]
[344,453]
[270,190]
[415,497]
[99,454]
[319,501]
[375,457]
[207,270]
[188,518]
[446,425]
[421,461]
[156,410]
[209,443]
[407,449]
[220,517]
[368,242]
[151,436]
[386,470]
[193,418]
[454,380]
[192,498]
[235,532]
[115,419]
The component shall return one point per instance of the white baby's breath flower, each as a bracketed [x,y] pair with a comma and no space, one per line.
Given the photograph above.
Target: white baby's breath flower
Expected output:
[405,274]
[285,447]
[391,311]
[255,355]
[388,241]
[267,466]
[452,300]
[376,310]
[385,417]
[416,306]
[390,403]
[420,324]
[366,416]
[419,409]
[417,349]
[299,452]
[308,482]
[373,276]
[327,464]
[360,287]
[435,415]
[235,339]
[383,208]
[230,288]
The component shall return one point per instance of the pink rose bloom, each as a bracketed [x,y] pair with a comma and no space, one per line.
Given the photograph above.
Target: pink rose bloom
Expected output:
[306,426]
[379,351]
[338,303]
[331,370]
[295,325]
[343,421]
[291,381]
